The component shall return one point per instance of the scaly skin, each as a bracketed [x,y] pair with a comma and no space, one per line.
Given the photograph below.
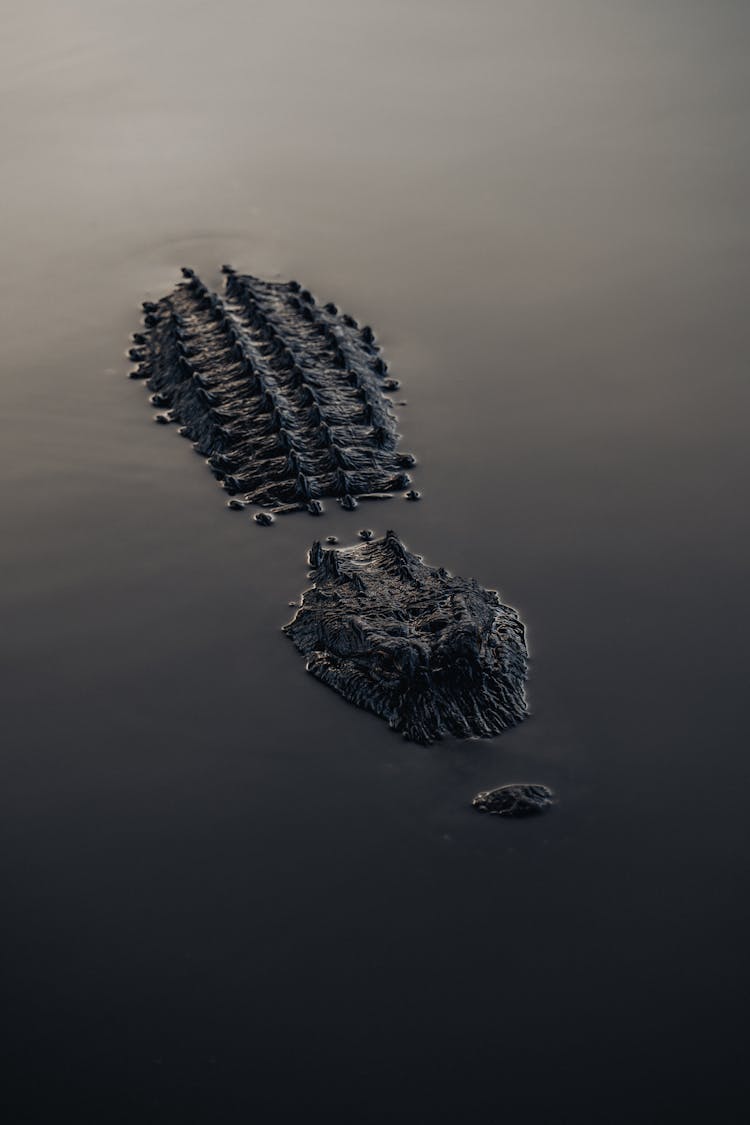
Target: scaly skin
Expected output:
[432,654]
[515,800]
[286,401]
[284,398]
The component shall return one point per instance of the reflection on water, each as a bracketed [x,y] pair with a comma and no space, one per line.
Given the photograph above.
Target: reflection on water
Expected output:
[229,896]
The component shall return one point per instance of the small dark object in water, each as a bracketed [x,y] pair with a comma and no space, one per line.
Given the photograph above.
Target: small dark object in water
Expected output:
[515,800]
[263,518]
[285,398]
[236,505]
[331,539]
[430,653]
[412,494]
[365,534]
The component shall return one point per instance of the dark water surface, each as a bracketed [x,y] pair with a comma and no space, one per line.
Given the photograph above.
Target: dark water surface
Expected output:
[228,896]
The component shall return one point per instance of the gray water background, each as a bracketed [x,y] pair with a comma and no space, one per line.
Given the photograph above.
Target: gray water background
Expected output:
[228,896]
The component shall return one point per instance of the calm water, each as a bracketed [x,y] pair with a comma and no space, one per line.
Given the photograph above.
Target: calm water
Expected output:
[228,896]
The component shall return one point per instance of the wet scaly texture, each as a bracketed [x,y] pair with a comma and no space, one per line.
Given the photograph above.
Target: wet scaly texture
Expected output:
[515,800]
[285,398]
[432,654]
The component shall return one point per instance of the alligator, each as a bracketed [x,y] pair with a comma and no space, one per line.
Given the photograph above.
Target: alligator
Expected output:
[286,400]
[284,397]
[432,654]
